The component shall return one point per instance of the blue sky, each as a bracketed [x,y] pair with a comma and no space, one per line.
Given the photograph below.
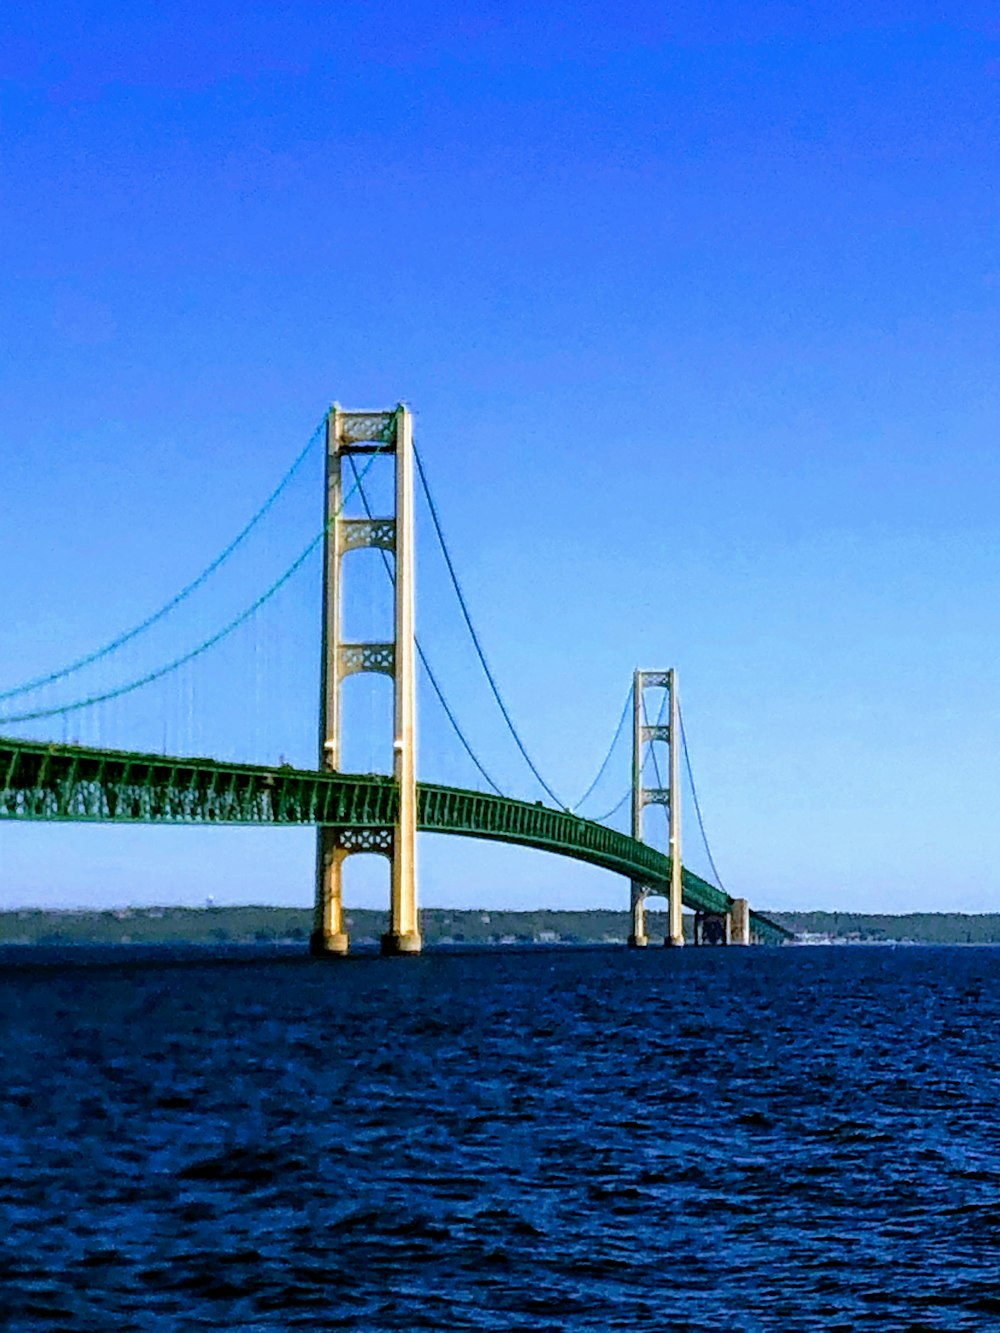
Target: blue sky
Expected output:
[698,312]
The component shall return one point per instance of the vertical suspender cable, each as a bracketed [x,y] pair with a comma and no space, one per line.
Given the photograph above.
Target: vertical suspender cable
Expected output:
[150,676]
[179,597]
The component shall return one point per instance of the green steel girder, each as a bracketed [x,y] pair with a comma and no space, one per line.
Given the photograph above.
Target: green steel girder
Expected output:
[40,781]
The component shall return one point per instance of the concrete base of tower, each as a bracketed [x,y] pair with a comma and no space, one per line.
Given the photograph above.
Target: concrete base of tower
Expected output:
[322,945]
[395,945]
[638,941]
[673,942]
[739,922]
[711,928]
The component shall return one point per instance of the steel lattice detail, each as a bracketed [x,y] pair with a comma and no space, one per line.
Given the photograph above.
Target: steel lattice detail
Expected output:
[358,533]
[365,427]
[654,680]
[356,657]
[70,783]
[654,795]
[364,840]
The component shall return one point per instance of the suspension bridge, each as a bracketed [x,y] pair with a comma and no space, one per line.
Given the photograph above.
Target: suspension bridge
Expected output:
[47,776]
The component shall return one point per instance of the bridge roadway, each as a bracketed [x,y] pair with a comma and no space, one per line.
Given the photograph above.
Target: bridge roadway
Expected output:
[69,783]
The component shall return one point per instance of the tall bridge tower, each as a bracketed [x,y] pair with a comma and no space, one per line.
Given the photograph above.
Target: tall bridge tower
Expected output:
[645,734]
[350,433]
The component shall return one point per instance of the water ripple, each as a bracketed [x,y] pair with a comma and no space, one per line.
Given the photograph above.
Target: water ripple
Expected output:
[715,1140]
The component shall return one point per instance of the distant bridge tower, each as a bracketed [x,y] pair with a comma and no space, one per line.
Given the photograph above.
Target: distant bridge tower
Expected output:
[645,734]
[367,433]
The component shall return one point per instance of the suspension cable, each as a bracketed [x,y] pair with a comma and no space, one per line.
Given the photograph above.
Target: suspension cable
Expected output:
[626,795]
[600,819]
[435,685]
[697,807]
[475,637]
[179,597]
[203,647]
[607,757]
[650,754]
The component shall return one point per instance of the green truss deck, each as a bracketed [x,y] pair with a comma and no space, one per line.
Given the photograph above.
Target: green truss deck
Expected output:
[40,781]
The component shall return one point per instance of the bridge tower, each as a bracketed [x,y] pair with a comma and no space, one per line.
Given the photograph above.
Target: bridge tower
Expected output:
[645,734]
[350,433]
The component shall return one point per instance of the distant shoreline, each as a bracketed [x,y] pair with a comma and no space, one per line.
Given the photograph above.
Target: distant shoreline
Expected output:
[290,926]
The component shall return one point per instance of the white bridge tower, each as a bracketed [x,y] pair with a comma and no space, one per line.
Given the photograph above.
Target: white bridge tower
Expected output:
[369,433]
[644,735]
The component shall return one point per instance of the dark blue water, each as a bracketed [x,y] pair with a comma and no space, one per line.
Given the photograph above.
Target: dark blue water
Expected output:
[714,1140]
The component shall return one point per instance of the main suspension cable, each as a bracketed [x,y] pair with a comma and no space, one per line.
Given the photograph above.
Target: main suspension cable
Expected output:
[650,754]
[607,758]
[435,685]
[475,637]
[179,597]
[626,796]
[203,647]
[600,819]
[697,807]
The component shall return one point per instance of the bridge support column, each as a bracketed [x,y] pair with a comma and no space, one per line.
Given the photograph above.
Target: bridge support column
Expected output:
[366,433]
[711,928]
[739,922]
[732,927]
[403,935]
[329,939]
[638,939]
[644,736]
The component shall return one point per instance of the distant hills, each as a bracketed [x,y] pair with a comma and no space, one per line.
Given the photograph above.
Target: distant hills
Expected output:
[291,925]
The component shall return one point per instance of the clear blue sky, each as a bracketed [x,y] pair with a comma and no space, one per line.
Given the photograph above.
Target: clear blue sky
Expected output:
[698,311]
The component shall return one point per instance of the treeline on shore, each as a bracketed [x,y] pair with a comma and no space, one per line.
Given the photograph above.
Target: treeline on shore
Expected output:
[291,925]
[907,928]
[262,925]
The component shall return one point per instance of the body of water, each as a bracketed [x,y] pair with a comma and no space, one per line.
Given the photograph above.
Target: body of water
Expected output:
[564,1140]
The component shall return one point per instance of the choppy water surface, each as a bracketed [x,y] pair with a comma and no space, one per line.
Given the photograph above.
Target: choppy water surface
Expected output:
[712,1139]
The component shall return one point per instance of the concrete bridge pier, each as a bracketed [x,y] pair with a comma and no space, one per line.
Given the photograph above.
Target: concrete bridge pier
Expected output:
[739,922]
[732,927]
[638,939]
[329,939]
[711,928]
